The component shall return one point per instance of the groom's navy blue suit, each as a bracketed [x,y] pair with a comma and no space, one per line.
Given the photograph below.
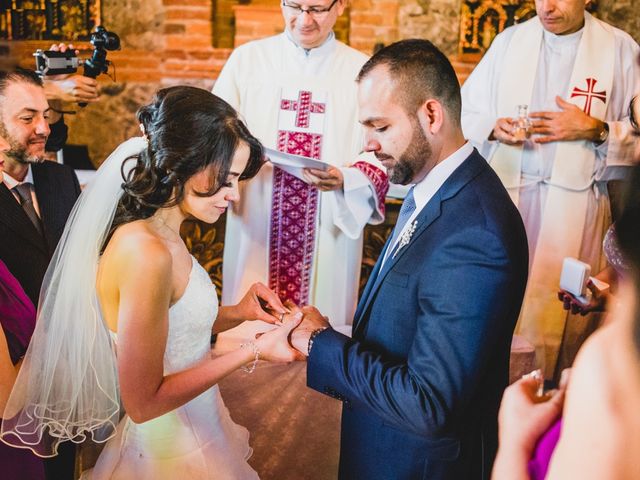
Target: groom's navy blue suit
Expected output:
[422,378]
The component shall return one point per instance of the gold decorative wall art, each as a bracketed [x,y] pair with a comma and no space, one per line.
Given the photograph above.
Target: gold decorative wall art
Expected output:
[482,20]
[64,20]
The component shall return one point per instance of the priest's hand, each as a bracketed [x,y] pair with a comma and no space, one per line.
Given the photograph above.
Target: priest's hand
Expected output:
[571,123]
[261,303]
[504,132]
[313,320]
[324,180]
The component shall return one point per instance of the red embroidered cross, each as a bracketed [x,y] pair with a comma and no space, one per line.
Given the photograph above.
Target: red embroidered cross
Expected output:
[590,94]
[304,106]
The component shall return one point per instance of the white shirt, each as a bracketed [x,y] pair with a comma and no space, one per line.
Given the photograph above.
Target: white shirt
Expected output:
[424,190]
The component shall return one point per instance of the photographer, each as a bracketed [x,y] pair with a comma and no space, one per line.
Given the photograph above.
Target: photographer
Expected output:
[60,89]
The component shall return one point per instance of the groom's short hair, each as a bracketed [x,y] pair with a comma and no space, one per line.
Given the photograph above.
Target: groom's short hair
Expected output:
[420,71]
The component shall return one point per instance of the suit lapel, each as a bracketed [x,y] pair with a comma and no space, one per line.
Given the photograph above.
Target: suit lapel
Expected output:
[471,167]
[16,219]
[369,286]
[425,218]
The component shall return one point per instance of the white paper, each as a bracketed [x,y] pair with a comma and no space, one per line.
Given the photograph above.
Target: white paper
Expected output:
[294,164]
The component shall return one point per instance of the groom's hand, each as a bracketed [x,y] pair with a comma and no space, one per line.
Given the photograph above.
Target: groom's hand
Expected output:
[261,303]
[313,320]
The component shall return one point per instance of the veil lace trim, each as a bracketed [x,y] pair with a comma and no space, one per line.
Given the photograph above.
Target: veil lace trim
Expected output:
[67,388]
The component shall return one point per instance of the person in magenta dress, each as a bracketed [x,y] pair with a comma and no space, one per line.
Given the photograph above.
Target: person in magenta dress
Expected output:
[18,318]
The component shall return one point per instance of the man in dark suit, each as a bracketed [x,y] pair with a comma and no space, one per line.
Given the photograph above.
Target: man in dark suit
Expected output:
[422,377]
[36,197]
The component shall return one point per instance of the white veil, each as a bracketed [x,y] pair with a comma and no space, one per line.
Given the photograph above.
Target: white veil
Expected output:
[67,388]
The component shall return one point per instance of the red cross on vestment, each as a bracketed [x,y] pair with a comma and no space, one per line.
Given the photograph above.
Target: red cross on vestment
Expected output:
[589,94]
[304,107]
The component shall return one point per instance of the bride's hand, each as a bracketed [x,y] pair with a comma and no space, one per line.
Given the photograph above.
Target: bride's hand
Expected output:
[261,303]
[274,345]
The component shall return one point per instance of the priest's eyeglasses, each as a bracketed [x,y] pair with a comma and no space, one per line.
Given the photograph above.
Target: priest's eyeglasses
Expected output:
[315,12]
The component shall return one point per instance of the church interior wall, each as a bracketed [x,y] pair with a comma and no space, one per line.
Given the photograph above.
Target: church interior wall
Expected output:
[169,42]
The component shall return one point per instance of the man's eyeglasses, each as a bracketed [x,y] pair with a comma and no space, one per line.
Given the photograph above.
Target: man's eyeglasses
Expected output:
[313,11]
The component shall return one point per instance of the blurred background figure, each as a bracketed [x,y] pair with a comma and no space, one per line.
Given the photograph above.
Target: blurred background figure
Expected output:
[598,435]
[572,77]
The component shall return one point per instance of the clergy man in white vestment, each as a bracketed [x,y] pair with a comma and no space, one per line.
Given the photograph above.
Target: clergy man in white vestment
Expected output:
[297,93]
[577,76]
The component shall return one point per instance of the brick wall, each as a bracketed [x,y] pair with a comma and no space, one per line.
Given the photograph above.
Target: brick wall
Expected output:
[168,42]
[373,22]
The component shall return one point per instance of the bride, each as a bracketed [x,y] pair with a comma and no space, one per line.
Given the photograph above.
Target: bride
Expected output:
[123,276]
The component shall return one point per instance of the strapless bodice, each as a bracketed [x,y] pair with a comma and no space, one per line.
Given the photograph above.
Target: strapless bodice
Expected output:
[190,321]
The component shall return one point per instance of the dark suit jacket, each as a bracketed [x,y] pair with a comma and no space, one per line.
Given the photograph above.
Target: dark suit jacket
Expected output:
[422,378]
[24,251]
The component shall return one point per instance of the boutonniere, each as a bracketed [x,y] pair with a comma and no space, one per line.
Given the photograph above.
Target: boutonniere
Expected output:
[405,238]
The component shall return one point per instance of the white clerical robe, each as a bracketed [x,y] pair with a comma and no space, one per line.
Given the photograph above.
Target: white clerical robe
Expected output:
[480,99]
[268,82]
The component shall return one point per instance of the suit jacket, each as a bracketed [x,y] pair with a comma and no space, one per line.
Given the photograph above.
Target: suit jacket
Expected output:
[422,377]
[25,252]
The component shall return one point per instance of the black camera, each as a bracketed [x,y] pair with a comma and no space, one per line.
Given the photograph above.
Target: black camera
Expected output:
[50,62]
[102,40]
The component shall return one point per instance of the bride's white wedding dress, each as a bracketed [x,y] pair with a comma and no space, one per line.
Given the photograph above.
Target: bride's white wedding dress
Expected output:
[196,441]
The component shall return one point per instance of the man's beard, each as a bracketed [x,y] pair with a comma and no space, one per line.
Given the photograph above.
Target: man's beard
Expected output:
[18,151]
[413,159]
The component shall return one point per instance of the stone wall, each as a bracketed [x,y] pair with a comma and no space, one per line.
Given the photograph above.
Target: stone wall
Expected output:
[169,42]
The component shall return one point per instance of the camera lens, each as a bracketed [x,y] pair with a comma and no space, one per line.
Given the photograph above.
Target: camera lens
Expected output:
[102,38]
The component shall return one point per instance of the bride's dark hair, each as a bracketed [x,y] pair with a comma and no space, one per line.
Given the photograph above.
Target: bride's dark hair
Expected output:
[188,129]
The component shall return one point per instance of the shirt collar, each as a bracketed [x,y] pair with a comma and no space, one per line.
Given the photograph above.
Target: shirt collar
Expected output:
[309,52]
[429,185]
[11,182]
[561,42]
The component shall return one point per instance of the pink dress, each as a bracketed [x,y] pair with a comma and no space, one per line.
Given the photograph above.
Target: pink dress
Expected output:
[18,319]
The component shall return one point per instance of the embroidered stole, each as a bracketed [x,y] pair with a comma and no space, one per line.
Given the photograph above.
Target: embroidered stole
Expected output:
[295,203]
[563,218]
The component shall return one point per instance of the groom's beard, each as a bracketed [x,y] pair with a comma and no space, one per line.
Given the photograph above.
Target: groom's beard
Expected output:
[413,159]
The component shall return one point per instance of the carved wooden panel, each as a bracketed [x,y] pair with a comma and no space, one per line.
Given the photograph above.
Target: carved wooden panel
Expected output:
[206,243]
[67,20]
[482,20]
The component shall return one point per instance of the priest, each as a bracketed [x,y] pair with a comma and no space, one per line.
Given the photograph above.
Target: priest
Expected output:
[297,94]
[576,75]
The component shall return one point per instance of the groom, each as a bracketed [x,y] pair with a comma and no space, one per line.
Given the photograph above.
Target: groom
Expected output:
[423,375]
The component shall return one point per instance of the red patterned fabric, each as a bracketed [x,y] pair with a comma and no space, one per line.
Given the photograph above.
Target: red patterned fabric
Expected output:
[293,235]
[379,181]
[294,208]
[304,106]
